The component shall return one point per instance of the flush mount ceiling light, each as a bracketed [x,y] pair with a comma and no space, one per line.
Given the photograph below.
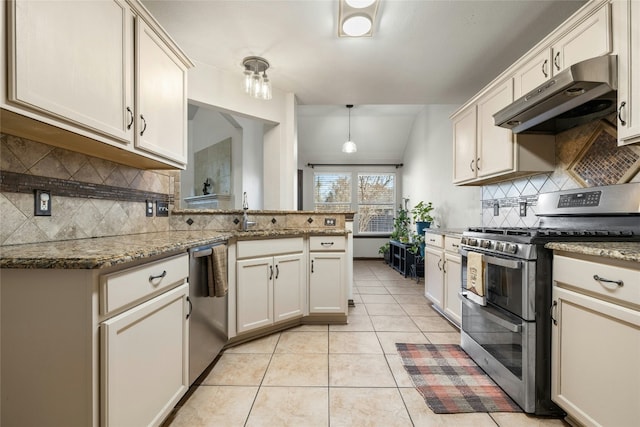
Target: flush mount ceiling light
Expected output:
[356,17]
[349,146]
[256,83]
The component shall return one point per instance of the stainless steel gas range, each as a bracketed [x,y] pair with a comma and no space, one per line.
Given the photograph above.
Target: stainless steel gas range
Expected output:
[508,331]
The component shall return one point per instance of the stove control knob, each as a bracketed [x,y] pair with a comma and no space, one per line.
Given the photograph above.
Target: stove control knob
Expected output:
[486,244]
[472,242]
[463,240]
[510,248]
[499,246]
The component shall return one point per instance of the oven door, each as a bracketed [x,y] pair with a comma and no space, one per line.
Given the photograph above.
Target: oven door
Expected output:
[510,282]
[503,345]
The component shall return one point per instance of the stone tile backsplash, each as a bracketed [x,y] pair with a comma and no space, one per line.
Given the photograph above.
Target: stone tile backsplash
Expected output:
[509,194]
[79,216]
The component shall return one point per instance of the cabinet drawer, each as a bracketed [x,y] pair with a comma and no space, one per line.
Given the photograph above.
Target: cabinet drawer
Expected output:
[451,244]
[137,283]
[579,273]
[327,243]
[267,247]
[432,239]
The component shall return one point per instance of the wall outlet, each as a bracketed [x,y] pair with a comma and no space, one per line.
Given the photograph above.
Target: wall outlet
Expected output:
[148,205]
[42,203]
[496,209]
[162,208]
[330,222]
[523,208]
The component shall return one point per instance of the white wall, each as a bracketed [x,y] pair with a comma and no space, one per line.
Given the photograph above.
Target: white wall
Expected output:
[209,86]
[248,166]
[427,171]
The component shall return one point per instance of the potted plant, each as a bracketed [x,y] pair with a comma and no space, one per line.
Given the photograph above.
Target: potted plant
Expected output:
[421,214]
[401,226]
[384,250]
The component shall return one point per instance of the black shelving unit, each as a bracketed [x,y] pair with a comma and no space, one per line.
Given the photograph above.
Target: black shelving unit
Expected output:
[402,260]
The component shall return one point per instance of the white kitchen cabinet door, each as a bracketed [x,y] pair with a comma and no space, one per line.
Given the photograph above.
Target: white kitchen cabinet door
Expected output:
[434,276]
[327,290]
[73,60]
[288,287]
[254,293]
[452,277]
[144,361]
[161,102]
[495,144]
[627,31]
[464,146]
[532,74]
[595,352]
[589,39]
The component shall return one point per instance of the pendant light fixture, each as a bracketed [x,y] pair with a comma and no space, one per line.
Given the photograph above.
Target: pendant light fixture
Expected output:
[349,146]
[256,83]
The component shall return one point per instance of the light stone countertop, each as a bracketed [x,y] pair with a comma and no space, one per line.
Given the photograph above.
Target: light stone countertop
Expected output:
[457,232]
[626,251]
[102,252]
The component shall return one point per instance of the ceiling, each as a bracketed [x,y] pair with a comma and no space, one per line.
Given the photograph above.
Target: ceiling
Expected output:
[422,52]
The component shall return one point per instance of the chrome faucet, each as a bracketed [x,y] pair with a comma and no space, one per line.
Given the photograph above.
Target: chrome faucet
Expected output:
[245,218]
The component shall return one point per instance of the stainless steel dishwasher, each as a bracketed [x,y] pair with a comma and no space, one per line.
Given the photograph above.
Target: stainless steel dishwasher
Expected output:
[208,326]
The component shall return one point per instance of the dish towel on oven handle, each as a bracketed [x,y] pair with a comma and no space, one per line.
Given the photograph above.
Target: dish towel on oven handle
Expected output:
[475,278]
[217,284]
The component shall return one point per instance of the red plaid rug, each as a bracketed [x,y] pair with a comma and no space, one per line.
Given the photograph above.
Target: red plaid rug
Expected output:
[450,381]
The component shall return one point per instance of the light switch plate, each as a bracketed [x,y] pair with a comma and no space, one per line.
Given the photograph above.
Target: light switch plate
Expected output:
[148,205]
[523,208]
[42,203]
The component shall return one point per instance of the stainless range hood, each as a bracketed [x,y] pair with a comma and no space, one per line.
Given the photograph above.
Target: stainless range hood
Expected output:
[583,92]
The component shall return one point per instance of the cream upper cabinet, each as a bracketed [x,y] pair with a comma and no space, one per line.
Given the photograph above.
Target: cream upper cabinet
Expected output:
[626,25]
[495,144]
[72,67]
[97,77]
[589,39]
[532,74]
[161,97]
[464,145]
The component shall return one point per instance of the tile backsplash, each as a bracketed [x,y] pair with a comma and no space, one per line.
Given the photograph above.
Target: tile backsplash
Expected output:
[113,206]
[509,194]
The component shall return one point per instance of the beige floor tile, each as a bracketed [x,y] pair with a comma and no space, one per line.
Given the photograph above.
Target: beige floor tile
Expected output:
[393,323]
[309,328]
[215,406]
[372,290]
[433,324]
[398,371]
[355,323]
[384,275]
[388,340]
[303,342]
[411,299]
[506,419]
[238,369]
[260,345]
[355,407]
[359,370]
[354,342]
[358,310]
[357,299]
[377,299]
[290,406]
[422,416]
[292,370]
[443,337]
[372,283]
[391,309]
[421,308]
[404,290]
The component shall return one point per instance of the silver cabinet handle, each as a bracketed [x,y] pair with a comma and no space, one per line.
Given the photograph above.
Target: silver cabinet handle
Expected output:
[622,122]
[555,61]
[144,122]
[597,278]
[158,276]
[554,306]
[131,115]
[544,68]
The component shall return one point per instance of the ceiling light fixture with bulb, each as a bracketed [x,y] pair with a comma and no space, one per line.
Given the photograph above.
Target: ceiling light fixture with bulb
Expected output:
[256,82]
[349,146]
[356,17]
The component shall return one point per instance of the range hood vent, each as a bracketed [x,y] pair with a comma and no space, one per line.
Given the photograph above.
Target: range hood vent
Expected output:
[584,92]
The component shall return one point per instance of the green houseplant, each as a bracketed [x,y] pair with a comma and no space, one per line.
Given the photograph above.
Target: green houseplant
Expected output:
[421,214]
[384,250]
[401,226]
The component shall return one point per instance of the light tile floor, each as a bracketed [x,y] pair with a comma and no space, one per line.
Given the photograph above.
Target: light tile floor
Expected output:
[336,375]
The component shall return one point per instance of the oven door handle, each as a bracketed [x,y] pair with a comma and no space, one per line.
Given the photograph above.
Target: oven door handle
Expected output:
[502,262]
[487,311]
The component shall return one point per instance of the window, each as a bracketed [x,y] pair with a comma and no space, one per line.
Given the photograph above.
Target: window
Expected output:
[332,191]
[372,196]
[376,196]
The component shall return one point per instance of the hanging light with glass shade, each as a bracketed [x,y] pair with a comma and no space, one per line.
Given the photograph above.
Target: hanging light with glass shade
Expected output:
[256,82]
[349,146]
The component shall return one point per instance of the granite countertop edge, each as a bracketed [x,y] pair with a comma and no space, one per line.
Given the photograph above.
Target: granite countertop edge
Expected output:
[104,252]
[457,232]
[624,251]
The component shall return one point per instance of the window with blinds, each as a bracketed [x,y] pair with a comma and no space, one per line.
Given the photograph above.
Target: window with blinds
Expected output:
[376,197]
[332,191]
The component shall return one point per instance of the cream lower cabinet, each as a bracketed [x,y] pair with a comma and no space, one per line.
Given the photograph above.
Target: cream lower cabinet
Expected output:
[596,340]
[626,26]
[327,275]
[442,274]
[96,347]
[452,275]
[434,275]
[270,288]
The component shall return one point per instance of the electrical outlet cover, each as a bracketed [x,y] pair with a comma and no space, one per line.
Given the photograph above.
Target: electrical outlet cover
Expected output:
[42,203]
[162,208]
